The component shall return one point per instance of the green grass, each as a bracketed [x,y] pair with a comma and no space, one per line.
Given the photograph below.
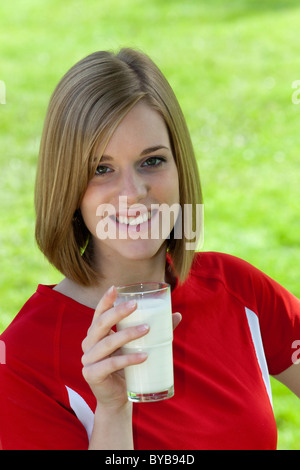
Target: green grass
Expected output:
[231,65]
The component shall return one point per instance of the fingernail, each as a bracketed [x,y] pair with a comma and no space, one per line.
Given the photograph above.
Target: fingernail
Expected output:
[143,328]
[131,303]
[110,290]
[142,355]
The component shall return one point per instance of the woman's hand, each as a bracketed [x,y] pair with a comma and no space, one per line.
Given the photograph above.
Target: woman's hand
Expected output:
[103,361]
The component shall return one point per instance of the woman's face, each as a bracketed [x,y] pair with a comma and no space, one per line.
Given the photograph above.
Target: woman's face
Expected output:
[136,175]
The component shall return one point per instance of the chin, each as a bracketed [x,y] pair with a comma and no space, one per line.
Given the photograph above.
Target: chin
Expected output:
[136,250]
[142,251]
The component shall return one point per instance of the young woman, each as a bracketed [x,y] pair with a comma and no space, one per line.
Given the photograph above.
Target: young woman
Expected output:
[115,138]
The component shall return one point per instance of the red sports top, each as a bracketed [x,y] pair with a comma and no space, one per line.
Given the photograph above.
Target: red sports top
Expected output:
[238,326]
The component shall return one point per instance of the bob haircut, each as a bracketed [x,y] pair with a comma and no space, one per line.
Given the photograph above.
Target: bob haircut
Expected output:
[86,107]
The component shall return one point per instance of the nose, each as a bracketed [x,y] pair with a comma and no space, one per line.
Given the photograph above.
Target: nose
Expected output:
[133,186]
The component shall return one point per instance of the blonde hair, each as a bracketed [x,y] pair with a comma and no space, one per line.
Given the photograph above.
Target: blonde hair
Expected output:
[86,107]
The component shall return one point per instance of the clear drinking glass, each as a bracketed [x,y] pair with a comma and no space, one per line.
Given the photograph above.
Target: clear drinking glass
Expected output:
[152,380]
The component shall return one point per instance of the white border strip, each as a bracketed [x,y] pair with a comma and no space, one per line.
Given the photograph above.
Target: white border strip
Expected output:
[259,349]
[82,410]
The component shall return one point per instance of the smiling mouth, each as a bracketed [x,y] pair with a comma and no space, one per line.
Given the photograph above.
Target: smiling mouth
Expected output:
[134,220]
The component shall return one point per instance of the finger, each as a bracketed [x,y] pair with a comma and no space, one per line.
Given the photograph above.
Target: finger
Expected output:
[106,302]
[113,342]
[102,325]
[97,372]
[112,316]
[176,319]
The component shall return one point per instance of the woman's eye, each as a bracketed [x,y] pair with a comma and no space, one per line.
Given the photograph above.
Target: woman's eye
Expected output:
[102,170]
[154,161]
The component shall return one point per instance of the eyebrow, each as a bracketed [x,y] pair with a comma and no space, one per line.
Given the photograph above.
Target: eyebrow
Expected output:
[143,153]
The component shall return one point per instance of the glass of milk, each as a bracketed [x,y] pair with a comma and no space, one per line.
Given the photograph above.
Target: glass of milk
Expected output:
[152,380]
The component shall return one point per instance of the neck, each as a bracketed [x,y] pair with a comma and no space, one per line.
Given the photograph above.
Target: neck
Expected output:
[116,271]
[119,271]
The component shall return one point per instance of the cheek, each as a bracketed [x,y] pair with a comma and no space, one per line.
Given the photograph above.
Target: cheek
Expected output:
[171,187]
[88,209]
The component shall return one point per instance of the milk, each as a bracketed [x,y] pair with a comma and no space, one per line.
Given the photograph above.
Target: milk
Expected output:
[156,373]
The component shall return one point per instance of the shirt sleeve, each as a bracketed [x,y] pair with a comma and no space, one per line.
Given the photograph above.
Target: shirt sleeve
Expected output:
[278,310]
[35,412]
[32,419]
[279,317]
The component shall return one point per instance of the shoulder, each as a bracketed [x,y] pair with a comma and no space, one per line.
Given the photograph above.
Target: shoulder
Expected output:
[238,277]
[40,305]
[33,327]
[220,274]
[278,310]
[44,309]
[228,269]
[243,280]
[42,320]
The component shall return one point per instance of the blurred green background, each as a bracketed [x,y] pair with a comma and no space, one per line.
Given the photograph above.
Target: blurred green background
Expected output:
[232,66]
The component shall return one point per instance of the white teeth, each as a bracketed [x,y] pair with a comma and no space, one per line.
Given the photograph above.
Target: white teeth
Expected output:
[134,220]
[123,220]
